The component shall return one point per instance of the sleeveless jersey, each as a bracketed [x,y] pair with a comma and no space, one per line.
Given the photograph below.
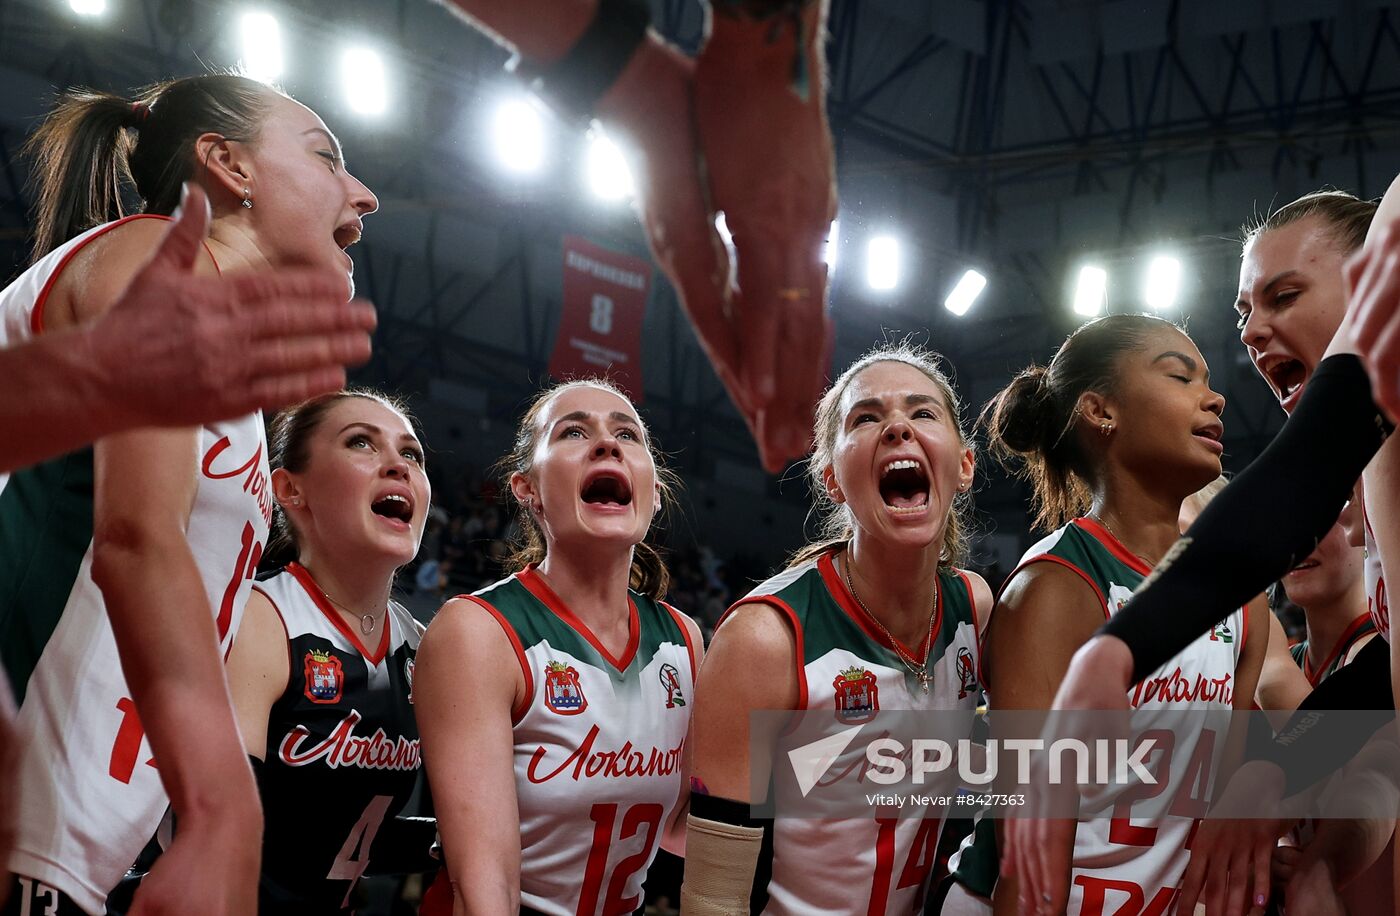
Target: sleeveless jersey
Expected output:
[1376,602]
[90,796]
[1124,866]
[598,745]
[1361,628]
[848,665]
[342,749]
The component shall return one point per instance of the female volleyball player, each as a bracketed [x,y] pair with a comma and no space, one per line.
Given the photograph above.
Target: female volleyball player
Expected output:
[554,705]
[875,616]
[322,667]
[1303,306]
[1114,435]
[146,546]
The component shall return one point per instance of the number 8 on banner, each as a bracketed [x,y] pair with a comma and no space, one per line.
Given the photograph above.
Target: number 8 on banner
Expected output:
[601,317]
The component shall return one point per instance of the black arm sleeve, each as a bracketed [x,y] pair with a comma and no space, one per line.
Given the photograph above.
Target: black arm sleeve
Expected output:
[1264,523]
[403,847]
[1317,740]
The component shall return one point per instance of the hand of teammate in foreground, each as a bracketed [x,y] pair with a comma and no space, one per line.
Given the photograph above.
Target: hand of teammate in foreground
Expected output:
[1038,851]
[211,867]
[770,167]
[1307,881]
[180,349]
[1373,283]
[1231,859]
[652,107]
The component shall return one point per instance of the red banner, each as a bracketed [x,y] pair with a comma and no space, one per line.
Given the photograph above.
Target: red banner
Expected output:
[600,330]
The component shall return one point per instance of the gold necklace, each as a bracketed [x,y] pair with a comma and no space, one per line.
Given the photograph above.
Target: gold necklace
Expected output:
[367,621]
[916,669]
[1109,528]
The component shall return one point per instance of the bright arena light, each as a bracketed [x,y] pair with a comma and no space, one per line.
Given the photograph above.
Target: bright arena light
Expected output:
[88,7]
[1163,283]
[608,174]
[1092,290]
[362,72]
[965,293]
[882,262]
[262,46]
[833,239]
[518,133]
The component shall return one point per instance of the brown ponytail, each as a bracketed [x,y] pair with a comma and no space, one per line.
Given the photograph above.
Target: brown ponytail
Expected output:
[649,574]
[95,145]
[1032,420]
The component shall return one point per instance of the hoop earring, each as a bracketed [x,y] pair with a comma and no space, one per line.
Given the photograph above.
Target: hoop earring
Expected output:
[247,198]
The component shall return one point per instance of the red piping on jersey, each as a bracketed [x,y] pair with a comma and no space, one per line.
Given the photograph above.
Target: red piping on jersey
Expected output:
[1315,677]
[1115,546]
[779,605]
[1047,558]
[318,598]
[976,624]
[534,582]
[837,587]
[524,705]
[291,662]
[685,634]
[36,315]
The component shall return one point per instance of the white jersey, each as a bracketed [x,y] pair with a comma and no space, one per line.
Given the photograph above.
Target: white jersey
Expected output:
[598,745]
[89,795]
[849,665]
[1376,602]
[1127,864]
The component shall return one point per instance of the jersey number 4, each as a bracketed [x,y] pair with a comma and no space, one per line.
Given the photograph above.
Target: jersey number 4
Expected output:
[354,855]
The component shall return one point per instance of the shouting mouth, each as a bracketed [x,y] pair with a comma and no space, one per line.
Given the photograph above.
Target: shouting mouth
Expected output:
[904,485]
[607,488]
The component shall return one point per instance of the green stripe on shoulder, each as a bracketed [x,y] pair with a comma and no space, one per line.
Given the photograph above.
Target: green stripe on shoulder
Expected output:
[45,531]
[534,621]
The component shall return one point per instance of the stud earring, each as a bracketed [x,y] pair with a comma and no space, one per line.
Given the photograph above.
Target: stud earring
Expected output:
[247,198]
[1106,428]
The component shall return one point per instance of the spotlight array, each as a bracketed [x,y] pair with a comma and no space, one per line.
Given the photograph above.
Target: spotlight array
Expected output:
[520,139]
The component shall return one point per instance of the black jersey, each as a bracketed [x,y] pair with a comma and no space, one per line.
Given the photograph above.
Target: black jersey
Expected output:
[342,749]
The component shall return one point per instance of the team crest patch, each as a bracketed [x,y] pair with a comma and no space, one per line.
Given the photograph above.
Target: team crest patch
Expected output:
[1221,632]
[671,680]
[967,673]
[408,676]
[1118,595]
[562,692]
[325,678]
[857,695]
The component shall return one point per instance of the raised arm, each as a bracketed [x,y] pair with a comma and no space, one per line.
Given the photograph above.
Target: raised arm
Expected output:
[144,487]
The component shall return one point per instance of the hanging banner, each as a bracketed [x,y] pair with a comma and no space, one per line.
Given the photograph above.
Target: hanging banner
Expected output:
[600,329]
